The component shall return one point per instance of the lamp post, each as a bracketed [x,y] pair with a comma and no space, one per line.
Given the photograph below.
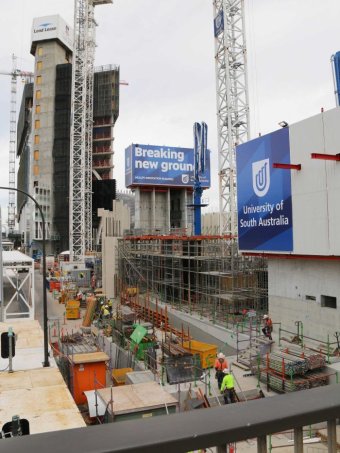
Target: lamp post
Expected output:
[46,362]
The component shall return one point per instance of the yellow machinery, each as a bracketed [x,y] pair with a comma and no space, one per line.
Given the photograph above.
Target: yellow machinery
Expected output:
[73,309]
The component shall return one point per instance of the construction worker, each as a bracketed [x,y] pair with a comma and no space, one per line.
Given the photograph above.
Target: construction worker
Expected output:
[93,280]
[268,327]
[227,387]
[105,313]
[220,364]
[110,306]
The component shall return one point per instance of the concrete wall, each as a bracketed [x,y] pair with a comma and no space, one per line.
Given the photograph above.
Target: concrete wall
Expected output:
[292,284]
[153,209]
[316,188]
[210,223]
[112,226]
[48,54]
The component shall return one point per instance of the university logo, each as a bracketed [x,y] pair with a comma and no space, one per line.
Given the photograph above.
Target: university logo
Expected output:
[261,177]
[185,179]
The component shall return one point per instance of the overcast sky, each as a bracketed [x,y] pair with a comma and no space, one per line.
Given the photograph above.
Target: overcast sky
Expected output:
[165,50]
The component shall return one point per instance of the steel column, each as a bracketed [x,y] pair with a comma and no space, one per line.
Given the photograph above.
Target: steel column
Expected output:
[298,440]
[262,444]
[331,436]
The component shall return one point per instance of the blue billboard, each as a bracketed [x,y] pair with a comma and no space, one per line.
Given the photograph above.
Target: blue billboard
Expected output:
[163,165]
[218,23]
[264,199]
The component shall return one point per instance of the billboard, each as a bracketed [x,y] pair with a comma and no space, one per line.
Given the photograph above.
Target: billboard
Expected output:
[264,198]
[218,23]
[52,27]
[162,165]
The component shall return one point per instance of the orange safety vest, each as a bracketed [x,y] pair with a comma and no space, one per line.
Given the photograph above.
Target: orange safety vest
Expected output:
[220,366]
[269,323]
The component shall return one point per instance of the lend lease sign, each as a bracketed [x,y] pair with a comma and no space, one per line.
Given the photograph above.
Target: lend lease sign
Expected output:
[264,199]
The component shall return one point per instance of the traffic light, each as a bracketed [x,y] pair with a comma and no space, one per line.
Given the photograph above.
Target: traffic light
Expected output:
[6,338]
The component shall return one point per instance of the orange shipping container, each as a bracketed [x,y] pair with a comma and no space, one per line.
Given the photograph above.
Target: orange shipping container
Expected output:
[89,373]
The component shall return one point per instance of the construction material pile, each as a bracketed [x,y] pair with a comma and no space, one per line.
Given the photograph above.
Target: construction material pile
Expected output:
[314,360]
[283,385]
[293,369]
[172,347]
[285,363]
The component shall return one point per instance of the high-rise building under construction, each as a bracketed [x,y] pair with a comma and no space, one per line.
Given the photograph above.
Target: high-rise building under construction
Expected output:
[43,142]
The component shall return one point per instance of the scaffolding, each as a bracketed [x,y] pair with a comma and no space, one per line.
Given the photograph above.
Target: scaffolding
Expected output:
[195,274]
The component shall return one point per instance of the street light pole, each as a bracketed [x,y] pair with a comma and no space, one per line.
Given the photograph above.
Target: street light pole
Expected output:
[46,362]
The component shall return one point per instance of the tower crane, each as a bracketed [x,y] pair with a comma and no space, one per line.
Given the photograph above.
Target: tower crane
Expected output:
[80,214]
[27,77]
[232,101]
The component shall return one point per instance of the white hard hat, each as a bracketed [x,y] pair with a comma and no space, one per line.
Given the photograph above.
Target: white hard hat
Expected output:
[265,316]
[226,370]
[220,355]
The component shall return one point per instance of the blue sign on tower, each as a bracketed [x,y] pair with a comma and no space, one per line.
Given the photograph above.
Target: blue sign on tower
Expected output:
[218,23]
[264,199]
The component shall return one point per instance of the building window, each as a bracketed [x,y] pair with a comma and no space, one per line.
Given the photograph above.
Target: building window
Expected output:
[38,94]
[39,79]
[39,65]
[36,170]
[36,139]
[36,154]
[40,51]
[310,297]
[38,108]
[37,124]
[328,301]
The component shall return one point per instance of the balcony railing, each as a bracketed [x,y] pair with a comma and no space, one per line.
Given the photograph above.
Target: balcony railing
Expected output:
[200,428]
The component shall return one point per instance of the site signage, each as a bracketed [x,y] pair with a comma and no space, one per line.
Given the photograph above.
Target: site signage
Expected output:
[163,165]
[52,27]
[218,23]
[264,200]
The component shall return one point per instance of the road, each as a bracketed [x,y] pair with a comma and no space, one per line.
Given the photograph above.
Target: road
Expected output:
[54,309]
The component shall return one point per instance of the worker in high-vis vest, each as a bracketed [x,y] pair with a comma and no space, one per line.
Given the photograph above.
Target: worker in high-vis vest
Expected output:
[220,364]
[105,313]
[227,387]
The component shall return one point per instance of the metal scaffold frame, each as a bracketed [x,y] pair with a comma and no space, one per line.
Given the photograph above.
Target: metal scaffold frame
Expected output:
[81,129]
[232,101]
[90,54]
[195,275]
[78,133]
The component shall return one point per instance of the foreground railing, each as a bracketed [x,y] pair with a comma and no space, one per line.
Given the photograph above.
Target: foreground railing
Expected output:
[196,429]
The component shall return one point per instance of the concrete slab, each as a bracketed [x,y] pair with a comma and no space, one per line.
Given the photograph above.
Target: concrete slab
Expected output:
[41,397]
[33,392]
[137,397]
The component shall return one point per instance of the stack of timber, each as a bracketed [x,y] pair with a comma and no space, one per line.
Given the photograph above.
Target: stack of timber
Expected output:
[91,304]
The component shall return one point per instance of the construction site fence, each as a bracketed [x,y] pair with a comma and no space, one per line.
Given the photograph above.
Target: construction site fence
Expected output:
[119,357]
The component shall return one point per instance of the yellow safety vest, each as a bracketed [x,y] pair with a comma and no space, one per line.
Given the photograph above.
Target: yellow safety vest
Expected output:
[228,382]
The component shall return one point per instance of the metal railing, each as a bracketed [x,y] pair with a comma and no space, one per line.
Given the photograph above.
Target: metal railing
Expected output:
[204,428]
